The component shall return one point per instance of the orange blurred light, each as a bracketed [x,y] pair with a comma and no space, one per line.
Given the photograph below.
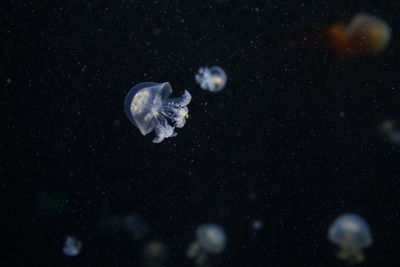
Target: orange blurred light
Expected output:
[365,34]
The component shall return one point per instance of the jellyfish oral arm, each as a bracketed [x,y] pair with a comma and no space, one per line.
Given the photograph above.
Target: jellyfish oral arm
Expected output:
[172,110]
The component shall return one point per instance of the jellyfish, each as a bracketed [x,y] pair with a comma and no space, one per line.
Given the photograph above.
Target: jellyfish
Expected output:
[149,108]
[154,254]
[210,240]
[365,34]
[72,246]
[123,224]
[212,79]
[257,225]
[351,233]
[136,226]
[390,130]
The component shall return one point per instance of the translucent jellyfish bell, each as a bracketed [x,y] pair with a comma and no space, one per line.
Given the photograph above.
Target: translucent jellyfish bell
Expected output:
[72,246]
[212,79]
[352,234]
[210,239]
[149,108]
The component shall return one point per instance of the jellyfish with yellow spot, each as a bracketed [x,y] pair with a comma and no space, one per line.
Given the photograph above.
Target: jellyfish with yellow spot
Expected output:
[365,34]
[149,107]
[212,79]
[352,234]
[210,240]
[154,254]
[390,130]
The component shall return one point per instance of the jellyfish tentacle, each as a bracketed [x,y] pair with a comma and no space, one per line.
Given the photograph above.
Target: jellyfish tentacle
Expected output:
[175,109]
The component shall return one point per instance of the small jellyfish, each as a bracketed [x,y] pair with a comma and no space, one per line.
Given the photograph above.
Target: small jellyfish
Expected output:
[154,254]
[210,240]
[149,108]
[72,246]
[365,34]
[257,225]
[212,79]
[131,223]
[390,130]
[136,226]
[351,233]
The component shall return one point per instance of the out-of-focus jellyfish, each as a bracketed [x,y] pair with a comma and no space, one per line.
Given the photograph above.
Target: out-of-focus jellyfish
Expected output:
[154,254]
[352,234]
[116,225]
[136,226]
[210,240]
[365,34]
[149,108]
[72,246]
[212,79]
[390,130]
[256,225]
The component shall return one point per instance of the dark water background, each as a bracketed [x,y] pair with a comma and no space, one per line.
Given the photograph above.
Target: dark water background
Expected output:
[272,146]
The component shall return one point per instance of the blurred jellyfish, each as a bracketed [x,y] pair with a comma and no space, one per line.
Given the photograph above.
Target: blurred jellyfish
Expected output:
[136,226]
[210,240]
[212,79]
[391,131]
[154,254]
[351,233]
[149,108]
[365,34]
[72,246]
[257,225]
[116,225]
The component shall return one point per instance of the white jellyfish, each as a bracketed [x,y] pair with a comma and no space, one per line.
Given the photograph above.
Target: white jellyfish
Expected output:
[72,246]
[212,79]
[352,234]
[149,108]
[210,239]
